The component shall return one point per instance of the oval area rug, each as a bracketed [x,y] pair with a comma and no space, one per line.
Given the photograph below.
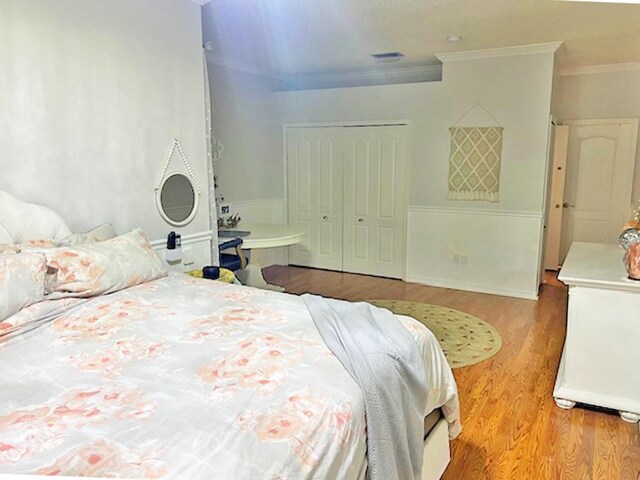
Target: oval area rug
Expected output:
[466,340]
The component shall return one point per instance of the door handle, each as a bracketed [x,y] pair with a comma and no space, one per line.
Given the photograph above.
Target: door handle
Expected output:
[361,220]
[325,218]
[567,205]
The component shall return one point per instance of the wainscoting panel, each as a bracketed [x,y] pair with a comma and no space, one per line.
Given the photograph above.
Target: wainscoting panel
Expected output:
[476,250]
[264,210]
[196,251]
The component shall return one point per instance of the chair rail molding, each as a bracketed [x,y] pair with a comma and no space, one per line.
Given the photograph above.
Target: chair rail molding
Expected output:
[479,211]
[186,239]
[596,69]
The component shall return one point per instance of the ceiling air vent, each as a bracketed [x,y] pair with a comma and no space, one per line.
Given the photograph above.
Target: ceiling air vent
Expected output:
[387,57]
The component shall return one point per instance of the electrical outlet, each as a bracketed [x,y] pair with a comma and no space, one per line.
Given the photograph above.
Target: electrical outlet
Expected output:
[187,256]
[463,259]
[455,258]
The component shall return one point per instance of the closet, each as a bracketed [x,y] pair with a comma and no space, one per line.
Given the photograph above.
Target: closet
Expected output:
[347,189]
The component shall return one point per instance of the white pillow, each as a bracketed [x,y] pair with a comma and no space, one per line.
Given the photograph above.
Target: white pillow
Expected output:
[32,246]
[102,267]
[99,234]
[22,278]
[9,248]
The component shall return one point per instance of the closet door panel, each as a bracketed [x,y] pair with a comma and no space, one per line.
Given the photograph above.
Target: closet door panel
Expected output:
[385,245]
[387,172]
[359,182]
[303,154]
[374,201]
[314,163]
[360,245]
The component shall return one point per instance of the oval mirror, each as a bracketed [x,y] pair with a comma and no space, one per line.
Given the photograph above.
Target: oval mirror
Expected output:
[177,200]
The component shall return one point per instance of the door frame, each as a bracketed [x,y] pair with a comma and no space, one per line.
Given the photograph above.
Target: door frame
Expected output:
[557,180]
[634,122]
[546,194]
[600,121]
[365,123]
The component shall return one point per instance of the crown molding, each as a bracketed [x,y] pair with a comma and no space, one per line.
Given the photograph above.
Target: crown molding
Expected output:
[549,47]
[241,66]
[378,76]
[201,2]
[603,1]
[595,69]
[380,73]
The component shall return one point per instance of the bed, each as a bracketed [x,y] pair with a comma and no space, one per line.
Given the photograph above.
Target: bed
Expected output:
[179,377]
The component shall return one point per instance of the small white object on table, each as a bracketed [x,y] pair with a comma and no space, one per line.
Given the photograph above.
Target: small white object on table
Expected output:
[263,235]
[601,357]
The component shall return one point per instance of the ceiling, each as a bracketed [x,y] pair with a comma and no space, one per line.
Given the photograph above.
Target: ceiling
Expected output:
[285,37]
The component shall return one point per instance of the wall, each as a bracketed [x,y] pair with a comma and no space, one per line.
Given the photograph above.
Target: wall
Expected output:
[245,119]
[502,241]
[601,95]
[91,96]
[515,90]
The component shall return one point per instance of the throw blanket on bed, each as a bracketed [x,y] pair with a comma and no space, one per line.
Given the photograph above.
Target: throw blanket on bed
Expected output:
[384,360]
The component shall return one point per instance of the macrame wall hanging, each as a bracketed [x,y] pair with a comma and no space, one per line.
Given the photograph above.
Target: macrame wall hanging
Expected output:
[474,161]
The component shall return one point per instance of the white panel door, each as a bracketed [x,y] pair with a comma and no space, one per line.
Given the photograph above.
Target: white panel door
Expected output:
[374,200]
[314,181]
[599,179]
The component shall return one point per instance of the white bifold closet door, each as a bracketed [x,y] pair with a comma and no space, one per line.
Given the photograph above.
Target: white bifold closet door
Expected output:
[374,200]
[347,191]
[314,181]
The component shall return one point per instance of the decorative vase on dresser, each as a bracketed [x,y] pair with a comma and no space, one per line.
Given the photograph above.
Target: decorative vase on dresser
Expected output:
[601,355]
[632,262]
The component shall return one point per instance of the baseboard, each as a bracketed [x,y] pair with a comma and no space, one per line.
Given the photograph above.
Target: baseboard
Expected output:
[470,287]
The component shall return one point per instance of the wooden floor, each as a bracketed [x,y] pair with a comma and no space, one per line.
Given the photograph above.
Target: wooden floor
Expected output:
[512,428]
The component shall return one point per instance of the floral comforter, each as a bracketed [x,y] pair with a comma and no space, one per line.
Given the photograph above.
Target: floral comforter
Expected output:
[186,378]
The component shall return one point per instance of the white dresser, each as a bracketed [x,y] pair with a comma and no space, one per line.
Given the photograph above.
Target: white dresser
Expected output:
[601,358]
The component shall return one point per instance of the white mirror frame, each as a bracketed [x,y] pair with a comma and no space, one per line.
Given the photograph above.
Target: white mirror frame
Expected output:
[196,201]
[175,145]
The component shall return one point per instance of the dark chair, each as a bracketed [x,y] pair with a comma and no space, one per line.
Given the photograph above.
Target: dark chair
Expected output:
[231,261]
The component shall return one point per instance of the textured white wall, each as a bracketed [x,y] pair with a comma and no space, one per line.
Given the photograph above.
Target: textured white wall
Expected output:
[515,90]
[601,95]
[501,241]
[247,122]
[91,96]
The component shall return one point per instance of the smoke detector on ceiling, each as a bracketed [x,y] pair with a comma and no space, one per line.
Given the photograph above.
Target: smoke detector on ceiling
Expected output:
[387,57]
